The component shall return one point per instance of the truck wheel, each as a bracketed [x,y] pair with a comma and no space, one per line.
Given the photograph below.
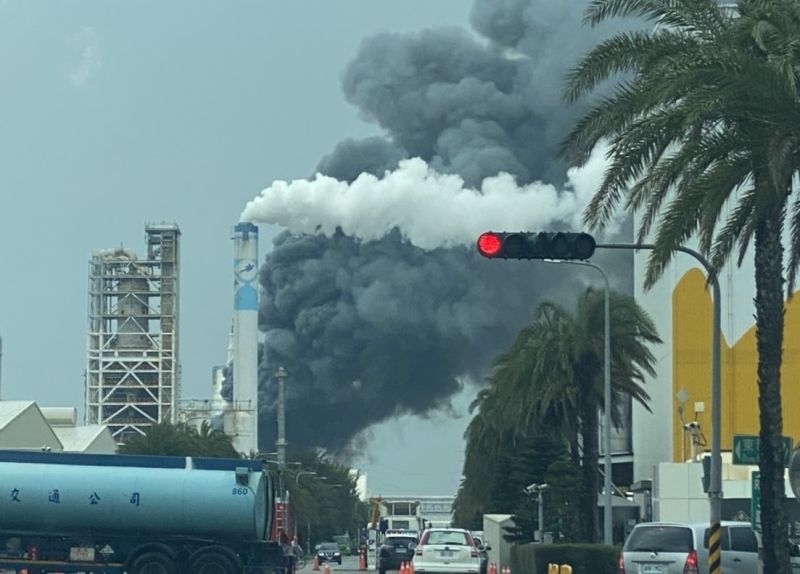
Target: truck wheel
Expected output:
[153,563]
[212,563]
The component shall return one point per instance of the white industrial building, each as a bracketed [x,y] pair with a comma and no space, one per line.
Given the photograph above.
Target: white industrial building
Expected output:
[26,426]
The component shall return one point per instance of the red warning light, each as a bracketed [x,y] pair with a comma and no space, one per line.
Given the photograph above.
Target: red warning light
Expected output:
[490,244]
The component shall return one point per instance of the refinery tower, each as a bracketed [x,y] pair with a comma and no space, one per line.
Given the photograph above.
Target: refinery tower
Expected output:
[133,368]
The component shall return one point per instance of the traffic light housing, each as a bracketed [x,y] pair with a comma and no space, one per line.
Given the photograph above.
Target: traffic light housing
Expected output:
[536,245]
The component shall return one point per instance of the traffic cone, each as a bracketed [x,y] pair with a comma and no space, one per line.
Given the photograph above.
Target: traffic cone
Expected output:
[411,567]
[326,568]
[362,561]
[315,563]
[492,568]
[403,568]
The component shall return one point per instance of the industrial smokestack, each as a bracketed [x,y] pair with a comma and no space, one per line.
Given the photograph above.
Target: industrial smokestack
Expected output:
[281,442]
[245,342]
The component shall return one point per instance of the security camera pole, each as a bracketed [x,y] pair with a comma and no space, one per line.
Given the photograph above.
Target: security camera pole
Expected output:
[538,489]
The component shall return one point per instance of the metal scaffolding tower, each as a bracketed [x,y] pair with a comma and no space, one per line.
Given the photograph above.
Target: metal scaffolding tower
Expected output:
[133,369]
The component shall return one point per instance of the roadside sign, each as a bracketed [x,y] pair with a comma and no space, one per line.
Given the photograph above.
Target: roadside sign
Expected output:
[755,500]
[745,449]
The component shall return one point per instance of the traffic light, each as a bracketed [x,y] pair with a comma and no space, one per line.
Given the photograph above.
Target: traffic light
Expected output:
[536,245]
[706,478]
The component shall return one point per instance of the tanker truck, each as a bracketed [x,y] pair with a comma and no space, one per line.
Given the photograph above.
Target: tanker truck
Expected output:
[64,512]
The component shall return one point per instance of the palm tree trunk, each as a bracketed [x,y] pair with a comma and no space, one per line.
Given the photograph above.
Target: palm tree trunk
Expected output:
[589,469]
[769,338]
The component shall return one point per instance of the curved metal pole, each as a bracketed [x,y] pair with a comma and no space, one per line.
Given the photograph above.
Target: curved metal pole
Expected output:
[715,486]
[608,509]
[301,473]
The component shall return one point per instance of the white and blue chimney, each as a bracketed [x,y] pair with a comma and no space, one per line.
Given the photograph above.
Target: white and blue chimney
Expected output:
[245,337]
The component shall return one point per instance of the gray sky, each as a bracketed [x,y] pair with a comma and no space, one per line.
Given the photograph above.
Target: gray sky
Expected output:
[113,114]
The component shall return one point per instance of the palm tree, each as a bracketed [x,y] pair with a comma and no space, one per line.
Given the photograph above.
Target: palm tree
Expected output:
[161,439]
[552,377]
[215,442]
[182,440]
[704,139]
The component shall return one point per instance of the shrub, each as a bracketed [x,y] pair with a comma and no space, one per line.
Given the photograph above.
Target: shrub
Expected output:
[584,558]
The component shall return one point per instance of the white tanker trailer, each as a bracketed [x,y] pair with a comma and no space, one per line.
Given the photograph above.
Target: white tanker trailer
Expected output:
[138,514]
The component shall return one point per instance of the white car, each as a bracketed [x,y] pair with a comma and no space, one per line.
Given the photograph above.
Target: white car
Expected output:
[675,548]
[446,550]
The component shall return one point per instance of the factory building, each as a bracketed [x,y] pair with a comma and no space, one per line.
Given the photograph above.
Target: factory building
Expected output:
[26,426]
[133,360]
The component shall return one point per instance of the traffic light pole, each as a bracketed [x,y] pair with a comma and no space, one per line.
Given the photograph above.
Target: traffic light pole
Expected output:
[715,487]
[608,508]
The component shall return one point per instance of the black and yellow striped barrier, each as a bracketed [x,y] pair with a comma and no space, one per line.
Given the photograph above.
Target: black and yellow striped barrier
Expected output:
[714,554]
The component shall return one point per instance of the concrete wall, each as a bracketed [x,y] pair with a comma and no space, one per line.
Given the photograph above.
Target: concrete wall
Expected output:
[678,490]
[493,525]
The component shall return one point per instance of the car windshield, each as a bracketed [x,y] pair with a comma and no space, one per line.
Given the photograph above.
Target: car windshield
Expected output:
[399,540]
[660,539]
[446,537]
[329,546]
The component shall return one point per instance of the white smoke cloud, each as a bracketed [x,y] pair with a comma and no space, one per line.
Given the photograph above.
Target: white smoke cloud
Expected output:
[90,62]
[430,209]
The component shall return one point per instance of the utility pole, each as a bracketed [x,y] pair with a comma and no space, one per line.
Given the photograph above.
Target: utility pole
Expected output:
[608,500]
[281,442]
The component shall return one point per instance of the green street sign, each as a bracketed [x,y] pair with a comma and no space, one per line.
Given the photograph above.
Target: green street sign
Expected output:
[755,500]
[745,449]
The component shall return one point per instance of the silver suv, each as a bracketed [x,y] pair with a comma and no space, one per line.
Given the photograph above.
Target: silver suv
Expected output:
[676,548]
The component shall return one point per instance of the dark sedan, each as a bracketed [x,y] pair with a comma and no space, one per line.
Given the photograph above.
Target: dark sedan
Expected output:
[329,552]
[394,551]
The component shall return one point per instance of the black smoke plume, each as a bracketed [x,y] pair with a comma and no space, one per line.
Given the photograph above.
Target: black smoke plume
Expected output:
[371,330]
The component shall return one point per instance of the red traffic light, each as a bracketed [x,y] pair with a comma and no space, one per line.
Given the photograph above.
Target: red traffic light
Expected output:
[489,244]
[562,246]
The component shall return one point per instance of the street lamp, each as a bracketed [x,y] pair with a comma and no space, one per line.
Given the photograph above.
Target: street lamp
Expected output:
[608,501]
[538,489]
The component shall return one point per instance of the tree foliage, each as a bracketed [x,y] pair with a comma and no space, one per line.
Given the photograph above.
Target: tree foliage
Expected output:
[540,408]
[324,503]
[182,440]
